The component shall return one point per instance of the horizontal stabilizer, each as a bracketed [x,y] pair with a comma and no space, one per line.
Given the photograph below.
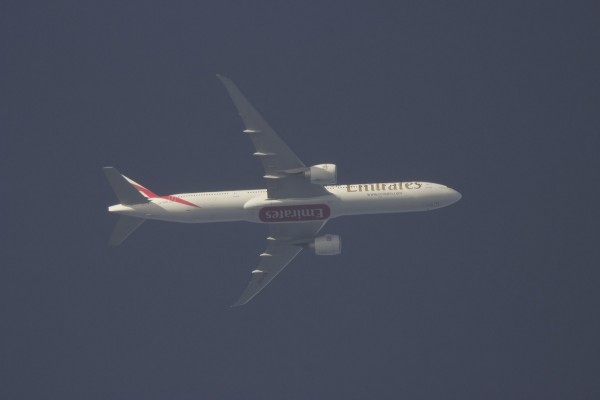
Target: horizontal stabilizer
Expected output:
[125,227]
[126,193]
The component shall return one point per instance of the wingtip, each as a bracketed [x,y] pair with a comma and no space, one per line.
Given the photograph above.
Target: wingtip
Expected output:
[238,303]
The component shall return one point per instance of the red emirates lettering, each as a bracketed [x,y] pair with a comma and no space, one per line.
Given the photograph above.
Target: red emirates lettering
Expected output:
[307,212]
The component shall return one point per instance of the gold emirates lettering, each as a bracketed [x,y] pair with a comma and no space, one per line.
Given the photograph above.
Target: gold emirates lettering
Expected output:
[378,187]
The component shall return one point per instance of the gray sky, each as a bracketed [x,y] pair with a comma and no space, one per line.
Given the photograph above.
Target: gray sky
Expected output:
[494,297]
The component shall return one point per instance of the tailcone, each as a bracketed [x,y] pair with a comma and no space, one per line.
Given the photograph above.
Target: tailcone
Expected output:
[120,209]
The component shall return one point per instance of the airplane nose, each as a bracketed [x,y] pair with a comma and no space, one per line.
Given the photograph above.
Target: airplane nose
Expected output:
[454,196]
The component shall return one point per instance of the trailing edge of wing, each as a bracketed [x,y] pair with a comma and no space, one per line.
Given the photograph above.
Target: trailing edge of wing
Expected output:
[286,242]
[283,169]
[274,153]
[274,260]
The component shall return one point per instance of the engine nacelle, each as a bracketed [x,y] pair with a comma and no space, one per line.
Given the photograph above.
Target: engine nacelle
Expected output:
[326,245]
[322,174]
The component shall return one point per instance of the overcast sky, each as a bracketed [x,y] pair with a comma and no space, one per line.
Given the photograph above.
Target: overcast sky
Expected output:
[495,297]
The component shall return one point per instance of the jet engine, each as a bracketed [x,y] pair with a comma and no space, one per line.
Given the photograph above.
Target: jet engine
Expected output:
[326,245]
[322,174]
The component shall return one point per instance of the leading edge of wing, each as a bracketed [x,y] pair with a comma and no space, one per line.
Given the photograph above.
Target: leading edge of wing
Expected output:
[285,242]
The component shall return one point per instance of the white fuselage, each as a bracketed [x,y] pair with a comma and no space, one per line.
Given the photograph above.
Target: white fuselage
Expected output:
[255,206]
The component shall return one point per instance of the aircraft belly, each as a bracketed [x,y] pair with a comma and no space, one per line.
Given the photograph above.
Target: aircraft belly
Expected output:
[369,203]
[264,210]
[201,211]
[220,213]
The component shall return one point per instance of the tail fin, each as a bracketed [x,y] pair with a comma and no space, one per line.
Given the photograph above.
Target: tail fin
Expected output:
[127,191]
[125,227]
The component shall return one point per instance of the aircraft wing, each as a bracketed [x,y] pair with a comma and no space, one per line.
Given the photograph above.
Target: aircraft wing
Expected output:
[285,242]
[284,171]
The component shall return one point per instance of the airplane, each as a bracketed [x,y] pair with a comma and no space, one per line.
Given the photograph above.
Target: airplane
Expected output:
[295,205]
